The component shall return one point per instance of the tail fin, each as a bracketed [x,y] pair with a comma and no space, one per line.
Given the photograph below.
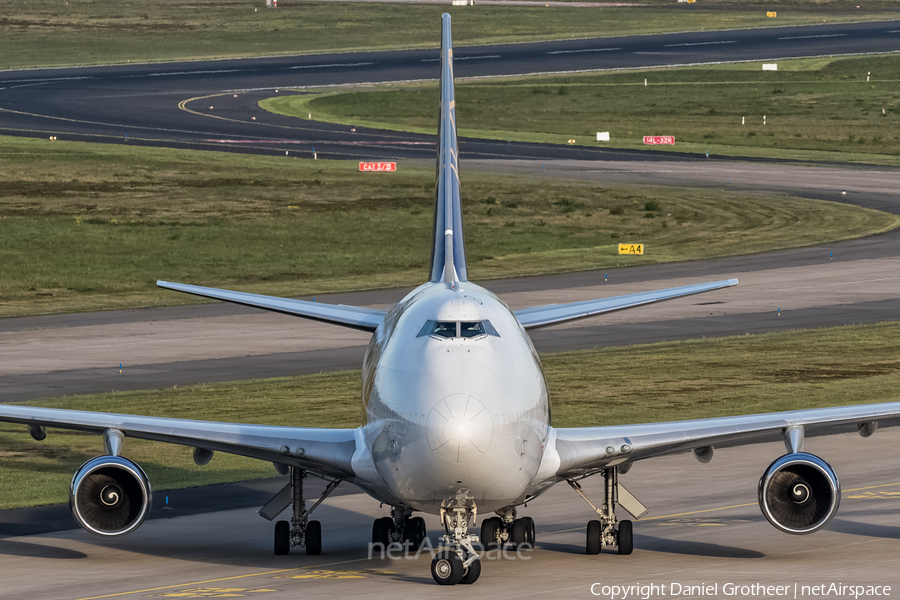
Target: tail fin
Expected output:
[448,252]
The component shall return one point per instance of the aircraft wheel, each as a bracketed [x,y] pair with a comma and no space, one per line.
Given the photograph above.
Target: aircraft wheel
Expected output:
[626,537]
[472,572]
[415,532]
[381,531]
[447,568]
[314,538]
[523,532]
[489,529]
[282,538]
[594,534]
[529,531]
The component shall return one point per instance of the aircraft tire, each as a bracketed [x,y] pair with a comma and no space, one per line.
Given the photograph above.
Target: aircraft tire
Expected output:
[282,538]
[626,537]
[447,568]
[381,531]
[523,532]
[313,538]
[529,531]
[594,534]
[489,529]
[472,573]
[415,532]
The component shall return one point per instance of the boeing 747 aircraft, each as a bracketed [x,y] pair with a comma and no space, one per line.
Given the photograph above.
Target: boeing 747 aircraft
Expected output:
[457,420]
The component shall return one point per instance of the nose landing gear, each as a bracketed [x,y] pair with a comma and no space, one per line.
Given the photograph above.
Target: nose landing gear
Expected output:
[459,561]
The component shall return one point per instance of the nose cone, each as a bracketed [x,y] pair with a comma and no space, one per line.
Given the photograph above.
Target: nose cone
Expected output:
[459,429]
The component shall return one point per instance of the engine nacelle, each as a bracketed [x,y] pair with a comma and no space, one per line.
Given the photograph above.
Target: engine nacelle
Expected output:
[110,496]
[799,493]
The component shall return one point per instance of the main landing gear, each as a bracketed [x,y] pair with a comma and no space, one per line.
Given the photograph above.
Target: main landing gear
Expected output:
[300,531]
[604,533]
[458,562]
[507,529]
[400,527]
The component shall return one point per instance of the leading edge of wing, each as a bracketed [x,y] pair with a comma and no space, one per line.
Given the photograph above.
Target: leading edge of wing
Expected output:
[541,316]
[354,317]
[325,451]
[585,449]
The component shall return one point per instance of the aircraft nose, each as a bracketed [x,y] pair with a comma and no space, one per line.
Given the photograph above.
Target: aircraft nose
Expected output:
[459,429]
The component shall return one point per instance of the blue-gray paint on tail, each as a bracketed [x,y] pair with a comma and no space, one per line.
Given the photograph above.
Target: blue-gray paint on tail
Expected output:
[448,251]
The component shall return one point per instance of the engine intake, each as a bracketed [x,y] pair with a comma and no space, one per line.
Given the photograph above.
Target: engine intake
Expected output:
[110,495]
[799,493]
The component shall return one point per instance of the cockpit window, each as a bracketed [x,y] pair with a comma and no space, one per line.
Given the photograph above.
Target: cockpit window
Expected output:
[469,329]
[444,329]
[453,329]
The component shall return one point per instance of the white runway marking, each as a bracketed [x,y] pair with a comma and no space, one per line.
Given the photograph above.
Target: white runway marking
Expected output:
[585,50]
[806,37]
[360,64]
[457,59]
[700,44]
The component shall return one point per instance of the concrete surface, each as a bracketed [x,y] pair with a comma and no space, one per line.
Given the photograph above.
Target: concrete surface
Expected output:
[704,528]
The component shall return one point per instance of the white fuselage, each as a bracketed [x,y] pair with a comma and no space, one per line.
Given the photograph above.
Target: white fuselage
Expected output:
[448,414]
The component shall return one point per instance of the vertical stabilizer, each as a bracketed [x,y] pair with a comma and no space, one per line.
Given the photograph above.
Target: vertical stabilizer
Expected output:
[448,252]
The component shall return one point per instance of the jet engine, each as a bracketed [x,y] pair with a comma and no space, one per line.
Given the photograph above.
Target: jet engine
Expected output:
[799,493]
[110,496]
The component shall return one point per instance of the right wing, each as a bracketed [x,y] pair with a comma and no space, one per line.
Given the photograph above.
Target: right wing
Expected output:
[551,314]
[354,317]
[327,452]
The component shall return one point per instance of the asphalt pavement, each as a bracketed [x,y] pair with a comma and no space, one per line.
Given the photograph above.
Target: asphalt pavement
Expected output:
[169,104]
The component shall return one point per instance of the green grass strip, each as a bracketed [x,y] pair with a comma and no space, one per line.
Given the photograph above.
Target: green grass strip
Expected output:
[81,32]
[815,110]
[93,226]
[646,383]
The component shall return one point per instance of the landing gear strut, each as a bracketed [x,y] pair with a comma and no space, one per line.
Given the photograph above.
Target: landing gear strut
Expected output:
[507,529]
[603,533]
[400,527]
[458,562]
[300,531]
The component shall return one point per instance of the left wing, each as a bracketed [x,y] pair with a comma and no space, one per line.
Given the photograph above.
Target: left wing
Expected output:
[541,316]
[328,452]
[354,317]
[584,450]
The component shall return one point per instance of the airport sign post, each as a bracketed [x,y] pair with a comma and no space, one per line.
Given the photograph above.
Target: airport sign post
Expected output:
[377,166]
[659,139]
[631,249]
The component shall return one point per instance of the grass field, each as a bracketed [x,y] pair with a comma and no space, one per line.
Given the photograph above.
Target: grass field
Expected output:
[93,226]
[820,109]
[656,382]
[80,32]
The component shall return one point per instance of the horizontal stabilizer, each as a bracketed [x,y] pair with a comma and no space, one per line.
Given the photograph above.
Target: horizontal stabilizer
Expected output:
[354,317]
[541,316]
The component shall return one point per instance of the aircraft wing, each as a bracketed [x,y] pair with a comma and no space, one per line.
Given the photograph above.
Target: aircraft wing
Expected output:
[325,451]
[551,314]
[354,317]
[584,450]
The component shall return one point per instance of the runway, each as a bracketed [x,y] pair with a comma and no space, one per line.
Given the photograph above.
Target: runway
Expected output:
[169,104]
[704,528]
